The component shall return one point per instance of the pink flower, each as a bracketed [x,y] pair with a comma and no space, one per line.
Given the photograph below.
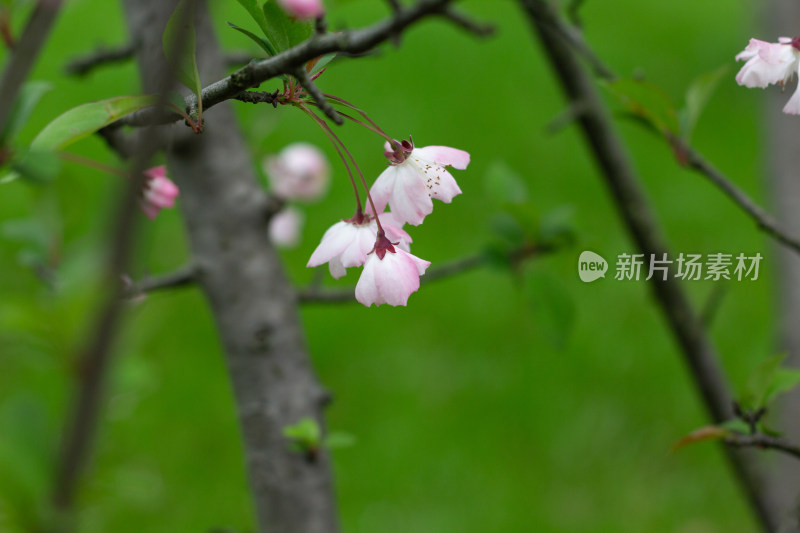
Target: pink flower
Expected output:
[771,63]
[347,243]
[299,172]
[415,177]
[284,227]
[390,275]
[303,9]
[159,192]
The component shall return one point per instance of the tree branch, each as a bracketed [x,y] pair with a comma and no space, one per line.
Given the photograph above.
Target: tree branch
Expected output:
[634,208]
[287,62]
[315,294]
[101,57]
[25,53]
[761,441]
[180,278]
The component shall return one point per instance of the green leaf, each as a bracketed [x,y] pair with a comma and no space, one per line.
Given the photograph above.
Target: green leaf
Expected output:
[258,15]
[552,306]
[503,185]
[82,121]
[697,96]
[646,101]
[26,101]
[321,63]
[282,30]
[557,227]
[179,42]
[260,41]
[767,381]
[39,166]
[305,435]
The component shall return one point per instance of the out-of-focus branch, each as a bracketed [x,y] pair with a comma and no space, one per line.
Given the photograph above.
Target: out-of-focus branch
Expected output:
[287,62]
[466,23]
[25,52]
[694,159]
[180,278]
[315,294]
[634,208]
[101,57]
[761,441]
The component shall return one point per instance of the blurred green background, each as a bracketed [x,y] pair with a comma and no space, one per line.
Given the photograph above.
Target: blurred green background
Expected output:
[494,402]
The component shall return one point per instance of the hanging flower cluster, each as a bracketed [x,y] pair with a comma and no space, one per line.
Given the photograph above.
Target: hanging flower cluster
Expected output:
[414,178]
[771,63]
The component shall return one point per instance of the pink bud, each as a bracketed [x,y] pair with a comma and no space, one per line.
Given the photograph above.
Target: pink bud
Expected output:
[299,172]
[285,226]
[303,9]
[159,192]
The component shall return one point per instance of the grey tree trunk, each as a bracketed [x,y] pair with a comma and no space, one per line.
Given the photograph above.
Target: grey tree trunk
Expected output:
[226,213]
[782,148]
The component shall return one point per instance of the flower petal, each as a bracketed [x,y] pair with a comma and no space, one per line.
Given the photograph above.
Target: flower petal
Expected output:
[333,243]
[444,155]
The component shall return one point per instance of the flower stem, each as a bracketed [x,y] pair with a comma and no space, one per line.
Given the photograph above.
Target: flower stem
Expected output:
[91,163]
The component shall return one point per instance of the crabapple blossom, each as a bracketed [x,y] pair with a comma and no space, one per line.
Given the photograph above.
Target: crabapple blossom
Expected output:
[347,243]
[299,172]
[159,192]
[390,275]
[415,177]
[771,63]
[285,226]
[303,9]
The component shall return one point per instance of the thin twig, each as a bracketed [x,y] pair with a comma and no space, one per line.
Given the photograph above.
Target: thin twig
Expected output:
[182,277]
[258,97]
[762,441]
[25,52]
[315,294]
[479,29]
[101,57]
[322,102]
[634,208]
[287,62]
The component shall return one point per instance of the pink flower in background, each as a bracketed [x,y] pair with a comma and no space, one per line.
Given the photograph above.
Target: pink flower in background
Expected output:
[347,243]
[299,172]
[285,226]
[159,192]
[415,177]
[303,9]
[390,275]
[771,63]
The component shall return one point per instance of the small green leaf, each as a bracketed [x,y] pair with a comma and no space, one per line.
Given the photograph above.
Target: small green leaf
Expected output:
[767,381]
[282,30]
[552,306]
[179,42]
[504,186]
[646,101]
[322,62]
[24,105]
[258,15]
[260,41]
[305,435]
[82,121]
[557,227]
[697,96]
[39,166]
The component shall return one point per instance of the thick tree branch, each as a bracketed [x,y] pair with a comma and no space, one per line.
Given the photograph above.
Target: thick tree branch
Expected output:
[287,62]
[634,208]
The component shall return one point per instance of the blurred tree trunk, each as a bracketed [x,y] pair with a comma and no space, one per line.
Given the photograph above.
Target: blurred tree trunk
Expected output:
[782,149]
[226,214]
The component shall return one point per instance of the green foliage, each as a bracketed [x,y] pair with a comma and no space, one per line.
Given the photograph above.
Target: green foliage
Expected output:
[180,47]
[697,97]
[504,186]
[83,120]
[24,104]
[767,381]
[304,435]
[39,166]
[647,102]
[281,32]
[553,307]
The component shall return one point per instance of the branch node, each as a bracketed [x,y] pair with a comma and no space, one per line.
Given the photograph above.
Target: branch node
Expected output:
[322,102]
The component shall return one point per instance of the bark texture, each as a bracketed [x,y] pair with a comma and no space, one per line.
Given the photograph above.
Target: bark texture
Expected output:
[254,306]
[781,139]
